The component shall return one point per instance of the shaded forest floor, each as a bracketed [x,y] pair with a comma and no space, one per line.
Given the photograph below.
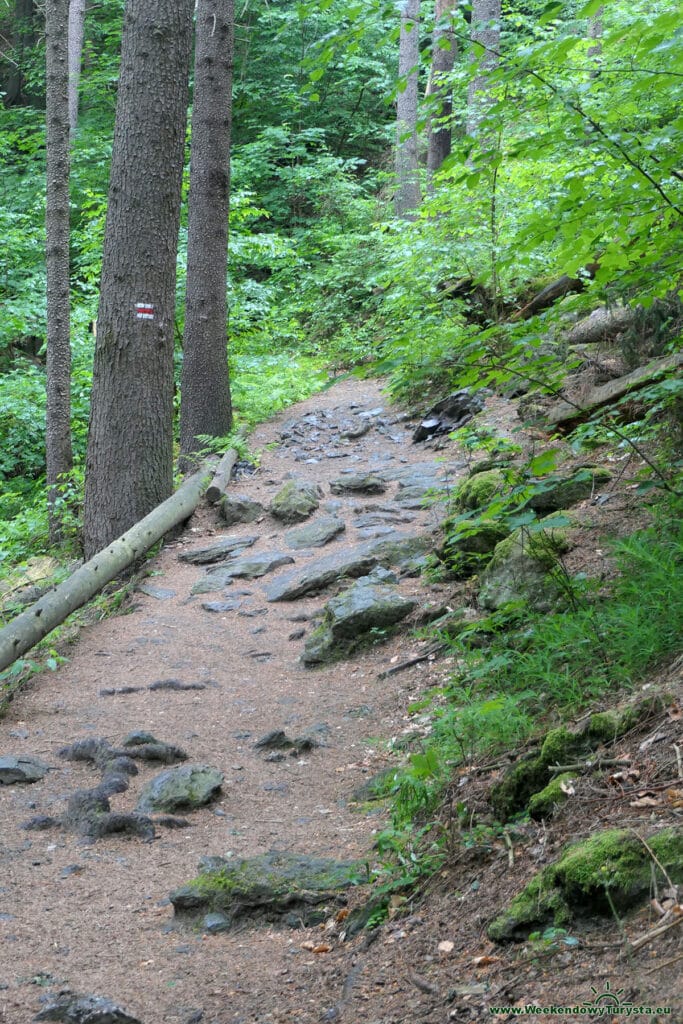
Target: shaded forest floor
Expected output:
[95,917]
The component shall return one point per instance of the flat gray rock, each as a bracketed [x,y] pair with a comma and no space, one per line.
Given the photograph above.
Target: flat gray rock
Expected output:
[257,565]
[73,1009]
[395,549]
[316,534]
[239,508]
[225,548]
[181,789]
[359,483]
[22,769]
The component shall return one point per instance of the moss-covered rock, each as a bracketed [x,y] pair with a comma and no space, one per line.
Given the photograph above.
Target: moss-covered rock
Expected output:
[534,773]
[522,567]
[543,804]
[558,492]
[290,888]
[352,615]
[609,871]
[477,490]
[296,501]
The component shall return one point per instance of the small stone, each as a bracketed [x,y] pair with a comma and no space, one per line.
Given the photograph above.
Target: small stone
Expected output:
[23,769]
[297,634]
[214,923]
[225,548]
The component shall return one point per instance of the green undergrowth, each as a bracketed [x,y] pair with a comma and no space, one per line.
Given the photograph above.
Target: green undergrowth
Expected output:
[518,672]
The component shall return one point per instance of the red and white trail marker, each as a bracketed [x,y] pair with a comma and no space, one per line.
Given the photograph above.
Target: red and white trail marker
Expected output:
[144,310]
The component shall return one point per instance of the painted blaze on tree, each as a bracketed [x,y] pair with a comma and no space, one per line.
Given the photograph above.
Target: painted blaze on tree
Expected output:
[129,468]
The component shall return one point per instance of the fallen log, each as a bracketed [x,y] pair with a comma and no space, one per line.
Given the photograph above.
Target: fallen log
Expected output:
[602,325]
[564,285]
[568,414]
[221,478]
[24,631]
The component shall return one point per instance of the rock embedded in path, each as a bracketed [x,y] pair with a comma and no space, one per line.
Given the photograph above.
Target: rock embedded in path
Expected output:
[179,789]
[316,534]
[225,548]
[293,889]
[296,501]
[450,413]
[22,769]
[396,549]
[240,508]
[361,483]
[253,567]
[352,616]
[74,1009]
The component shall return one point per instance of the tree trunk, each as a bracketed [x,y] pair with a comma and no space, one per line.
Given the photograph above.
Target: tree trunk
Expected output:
[205,392]
[129,466]
[408,193]
[485,37]
[23,632]
[58,426]
[76,24]
[23,39]
[443,59]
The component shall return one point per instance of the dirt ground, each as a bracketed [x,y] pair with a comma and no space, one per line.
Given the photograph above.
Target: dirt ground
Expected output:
[96,918]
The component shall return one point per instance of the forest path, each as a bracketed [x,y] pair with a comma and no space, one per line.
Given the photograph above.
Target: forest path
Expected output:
[94,917]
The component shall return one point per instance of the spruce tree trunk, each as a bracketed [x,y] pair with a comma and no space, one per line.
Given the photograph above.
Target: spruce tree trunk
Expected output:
[129,468]
[408,194]
[76,25]
[58,426]
[205,391]
[485,36]
[443,59]
[23,38]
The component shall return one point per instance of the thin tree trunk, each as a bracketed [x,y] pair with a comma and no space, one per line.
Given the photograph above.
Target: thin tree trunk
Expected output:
[443,60]
[129,467]
[205,407]
[23,39]
[595,33]
[76,25]
[408,193]
[485,36]
[58,426]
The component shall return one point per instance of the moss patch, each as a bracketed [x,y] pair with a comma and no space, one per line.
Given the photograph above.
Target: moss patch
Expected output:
[543,803]
[611,871]
[562,746]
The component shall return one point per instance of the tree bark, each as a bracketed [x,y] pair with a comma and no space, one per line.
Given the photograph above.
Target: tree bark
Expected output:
[129,467]
[58,449]
[443,60]
[76,25]
[23,632]
[205,407]
[485,36]
[408,194]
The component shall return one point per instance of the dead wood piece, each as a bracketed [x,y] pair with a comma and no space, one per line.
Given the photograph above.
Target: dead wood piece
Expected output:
[655,933]
[221,478]
[568,414]
[24,631]
[564,285]
[432,652]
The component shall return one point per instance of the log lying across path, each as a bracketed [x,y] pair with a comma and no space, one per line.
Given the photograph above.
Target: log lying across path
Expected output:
[23,632]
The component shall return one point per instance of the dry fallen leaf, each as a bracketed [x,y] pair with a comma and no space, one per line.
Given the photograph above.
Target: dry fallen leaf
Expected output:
[484,961]
[446,946]
[568,788]
[342,915]
[675,713]
[308,946]
[645,801]
[322,947]
[675,797]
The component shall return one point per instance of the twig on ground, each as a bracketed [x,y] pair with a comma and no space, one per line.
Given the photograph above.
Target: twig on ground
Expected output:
[655,933]
[667,963]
